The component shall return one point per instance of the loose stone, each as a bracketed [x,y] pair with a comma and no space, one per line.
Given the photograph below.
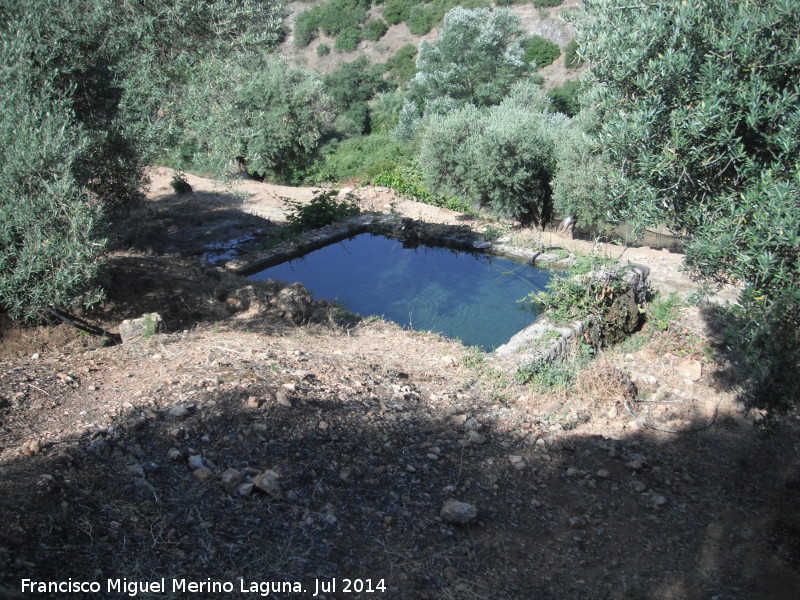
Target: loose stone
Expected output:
[456,512]
[203,474]
[268,482]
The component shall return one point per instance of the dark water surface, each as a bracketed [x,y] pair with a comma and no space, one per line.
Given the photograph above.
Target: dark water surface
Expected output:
[464,295]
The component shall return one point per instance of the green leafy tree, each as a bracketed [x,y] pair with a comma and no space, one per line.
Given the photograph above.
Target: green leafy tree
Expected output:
[475,60]
[401,67]
[268,115]
[566,97]
[501,157]
[583,178]
[98,88]
[351,86]
[699,105]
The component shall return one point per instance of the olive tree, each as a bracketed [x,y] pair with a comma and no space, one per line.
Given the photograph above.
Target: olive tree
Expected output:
[500,157]
[699,105]
[91,89]
[262,112]
[475,60]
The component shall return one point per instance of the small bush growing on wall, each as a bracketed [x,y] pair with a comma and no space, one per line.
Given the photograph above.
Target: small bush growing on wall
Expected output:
[325,208]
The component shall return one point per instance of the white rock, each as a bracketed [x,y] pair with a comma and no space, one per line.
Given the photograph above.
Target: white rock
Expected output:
[456,512]
[268,482]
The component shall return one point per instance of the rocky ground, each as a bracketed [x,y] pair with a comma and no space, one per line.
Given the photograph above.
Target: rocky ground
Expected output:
[253,441]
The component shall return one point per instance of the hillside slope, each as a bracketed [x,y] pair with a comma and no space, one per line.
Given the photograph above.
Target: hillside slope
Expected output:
[552,27]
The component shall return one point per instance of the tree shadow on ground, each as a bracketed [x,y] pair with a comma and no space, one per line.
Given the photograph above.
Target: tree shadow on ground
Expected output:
[366,458]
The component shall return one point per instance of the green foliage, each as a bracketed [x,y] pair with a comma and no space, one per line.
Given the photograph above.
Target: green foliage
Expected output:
[422,19]
[361,157]
[475,60]
[502,157]
[545,376]
[579,294]
[425,16]
[323,49]
[539,52]
[269,115]
[89,94]
[583,178]
[663,310]
[385,111]
[407,181]
[351,86]
[179,184]
[325,208]
[547,3]
[700,109]
[375,29]
[397,11]
[354,82]
[306,26]
[572,60]
[341,19]
[566,97]
[402,67]
[48,222]
[348,39]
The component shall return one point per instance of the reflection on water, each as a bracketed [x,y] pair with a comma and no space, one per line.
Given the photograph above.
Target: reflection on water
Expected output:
[464,295]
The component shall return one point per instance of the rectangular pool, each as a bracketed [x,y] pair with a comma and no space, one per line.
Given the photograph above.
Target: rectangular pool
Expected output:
[464,295]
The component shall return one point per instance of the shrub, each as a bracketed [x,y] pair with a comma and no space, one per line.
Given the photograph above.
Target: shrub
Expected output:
[501,157]
[385,111]
[402,67]
[397,11]
[407,181]
[422,19]
[179,184]
[323,49]
[306,27]
[348,39]
[547,3]
[539,52]
[361,157]
[337,16]
[325,208]
[565,98]
[354,82]
[375,29]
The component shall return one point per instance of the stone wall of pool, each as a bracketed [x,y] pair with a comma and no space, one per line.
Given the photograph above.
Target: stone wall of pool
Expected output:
[542,340]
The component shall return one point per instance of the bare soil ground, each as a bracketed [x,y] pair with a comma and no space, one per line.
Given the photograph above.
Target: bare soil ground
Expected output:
[241,446]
